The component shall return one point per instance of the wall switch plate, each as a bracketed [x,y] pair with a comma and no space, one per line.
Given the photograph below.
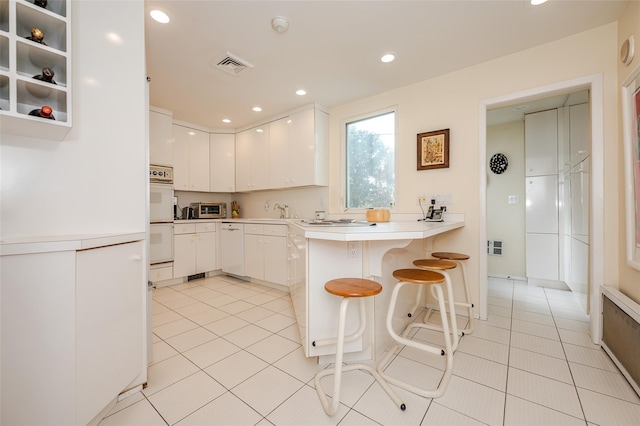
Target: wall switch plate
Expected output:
[514,199]
[320,214]
[421,199]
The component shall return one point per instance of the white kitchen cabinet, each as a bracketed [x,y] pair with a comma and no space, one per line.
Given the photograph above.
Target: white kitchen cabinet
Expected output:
[22,59]
[279,154]
[194,248]
[580,201]
[77,335]
[160,137]
[252,159]
[580,140]
[542,256]
[266,252]
[541,214]
[541,143]
[308,133]
[222,162]
[190,159]
[298,150]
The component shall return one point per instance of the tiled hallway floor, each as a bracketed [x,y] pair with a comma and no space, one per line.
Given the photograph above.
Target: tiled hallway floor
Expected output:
[227,352]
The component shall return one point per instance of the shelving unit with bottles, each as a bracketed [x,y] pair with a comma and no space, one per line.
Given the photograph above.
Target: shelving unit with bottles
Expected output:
[21,59]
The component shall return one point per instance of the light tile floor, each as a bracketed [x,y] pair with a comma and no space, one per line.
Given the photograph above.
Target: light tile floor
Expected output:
[227,352]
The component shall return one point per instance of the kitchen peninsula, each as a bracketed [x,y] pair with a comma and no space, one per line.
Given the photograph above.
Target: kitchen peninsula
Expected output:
[320,252]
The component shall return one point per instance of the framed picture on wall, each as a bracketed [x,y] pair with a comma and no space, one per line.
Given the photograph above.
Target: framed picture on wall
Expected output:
[631,119]
[433,150]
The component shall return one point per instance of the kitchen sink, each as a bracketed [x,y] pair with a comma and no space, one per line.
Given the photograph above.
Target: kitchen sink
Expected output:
[339,222]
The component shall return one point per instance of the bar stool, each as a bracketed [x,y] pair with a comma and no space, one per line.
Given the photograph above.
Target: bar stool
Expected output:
[421,277]
[348,288]
[440,266]
[459,259]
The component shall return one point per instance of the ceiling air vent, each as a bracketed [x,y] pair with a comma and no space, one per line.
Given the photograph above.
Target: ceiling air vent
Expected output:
[233,65]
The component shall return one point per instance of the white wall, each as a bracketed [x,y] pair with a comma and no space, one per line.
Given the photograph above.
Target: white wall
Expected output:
[94,181]
[506,221]
[629,282]
[452,101]
[302,202]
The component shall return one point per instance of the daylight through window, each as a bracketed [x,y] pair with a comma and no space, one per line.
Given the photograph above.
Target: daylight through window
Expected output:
[370,174]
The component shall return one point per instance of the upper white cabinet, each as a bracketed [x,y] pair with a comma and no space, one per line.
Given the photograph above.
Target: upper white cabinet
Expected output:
[160,137]
[222,162]
[541,143]
[309,136]
[22,62]
[579,134]
[298,150]
[252,153]
[190,159]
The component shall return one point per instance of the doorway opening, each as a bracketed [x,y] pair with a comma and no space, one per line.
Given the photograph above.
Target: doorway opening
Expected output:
[542,98]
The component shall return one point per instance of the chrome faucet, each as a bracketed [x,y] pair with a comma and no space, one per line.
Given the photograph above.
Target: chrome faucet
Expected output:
[284,210]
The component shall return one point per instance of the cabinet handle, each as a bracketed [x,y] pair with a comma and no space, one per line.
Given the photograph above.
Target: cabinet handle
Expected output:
[136,258]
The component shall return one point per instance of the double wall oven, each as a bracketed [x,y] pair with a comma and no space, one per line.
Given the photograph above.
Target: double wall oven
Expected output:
[161,222]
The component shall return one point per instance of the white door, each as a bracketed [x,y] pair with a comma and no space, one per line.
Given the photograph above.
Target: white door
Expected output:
[160,203]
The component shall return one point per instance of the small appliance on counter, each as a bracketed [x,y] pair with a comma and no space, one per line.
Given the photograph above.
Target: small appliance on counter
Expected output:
[433,214]
[208,210]
[187,213]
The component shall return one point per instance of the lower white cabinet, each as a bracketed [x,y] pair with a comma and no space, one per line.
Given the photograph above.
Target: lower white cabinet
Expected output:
[73,335]
[265,252]
[194,248]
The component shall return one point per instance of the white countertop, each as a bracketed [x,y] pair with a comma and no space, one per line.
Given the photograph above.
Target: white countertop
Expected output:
[400,230]
[30,245]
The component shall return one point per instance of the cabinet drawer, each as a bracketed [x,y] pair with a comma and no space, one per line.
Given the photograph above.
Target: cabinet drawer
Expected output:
[275,230]
[253,228]
[160,273]
[206,227]
[184,228]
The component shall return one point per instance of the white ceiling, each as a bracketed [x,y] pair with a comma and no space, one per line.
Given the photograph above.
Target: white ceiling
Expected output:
[332,48]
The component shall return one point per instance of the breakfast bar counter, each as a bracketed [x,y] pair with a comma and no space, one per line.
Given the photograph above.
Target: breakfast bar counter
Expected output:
[321,252]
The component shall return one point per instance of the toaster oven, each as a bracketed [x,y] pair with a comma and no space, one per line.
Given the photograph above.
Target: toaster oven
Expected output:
[209,210]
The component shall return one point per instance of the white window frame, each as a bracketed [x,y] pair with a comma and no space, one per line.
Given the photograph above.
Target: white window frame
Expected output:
[343,157]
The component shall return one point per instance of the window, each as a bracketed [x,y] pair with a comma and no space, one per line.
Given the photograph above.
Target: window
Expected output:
[371,161]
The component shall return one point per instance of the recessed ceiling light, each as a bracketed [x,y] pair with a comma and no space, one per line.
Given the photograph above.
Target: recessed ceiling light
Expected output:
[301,92]
[259,130]
[191,133]
[388,57]
[159,16]
[226,120]
[257,109]
[537,2]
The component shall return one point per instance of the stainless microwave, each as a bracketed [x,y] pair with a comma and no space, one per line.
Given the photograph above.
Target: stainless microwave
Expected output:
[209,210]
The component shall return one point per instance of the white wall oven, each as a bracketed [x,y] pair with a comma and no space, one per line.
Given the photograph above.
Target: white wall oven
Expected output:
[161,216]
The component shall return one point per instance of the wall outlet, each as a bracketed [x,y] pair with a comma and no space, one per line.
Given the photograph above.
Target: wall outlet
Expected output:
[353,249]
[421,199]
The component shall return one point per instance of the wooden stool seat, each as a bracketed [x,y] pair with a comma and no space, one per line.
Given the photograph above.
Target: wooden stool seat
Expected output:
[418,276]
[353,287]
[438,264]
[450,255]
[436,280]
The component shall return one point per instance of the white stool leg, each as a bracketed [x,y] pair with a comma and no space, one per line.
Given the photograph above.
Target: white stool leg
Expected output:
[467,295]
[448,351]
[338,368]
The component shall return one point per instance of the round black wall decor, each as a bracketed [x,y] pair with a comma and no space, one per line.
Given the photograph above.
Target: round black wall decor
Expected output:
[498,163]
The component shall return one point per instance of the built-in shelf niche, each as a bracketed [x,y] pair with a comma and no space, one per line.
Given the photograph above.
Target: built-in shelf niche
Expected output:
[31,59]
[33,95]
[4,15]
[4,53]
[4,92]
[51,24]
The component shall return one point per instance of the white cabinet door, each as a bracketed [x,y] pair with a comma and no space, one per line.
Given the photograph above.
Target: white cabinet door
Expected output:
[279,154]
[252,159]
[254,256]
[184,255]
[309,149]
[275,259]
[542,256]
[180,158]
[579,132]
[160,137]
[109,317]
[541,204]
[190,159]
[206,252]
[198,161]
[580,201]
[541,143]
[222,163]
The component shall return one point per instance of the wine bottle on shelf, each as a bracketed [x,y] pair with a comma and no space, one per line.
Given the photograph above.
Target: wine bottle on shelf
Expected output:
[41,3]
[37,35]
[46,76]
[44,112]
